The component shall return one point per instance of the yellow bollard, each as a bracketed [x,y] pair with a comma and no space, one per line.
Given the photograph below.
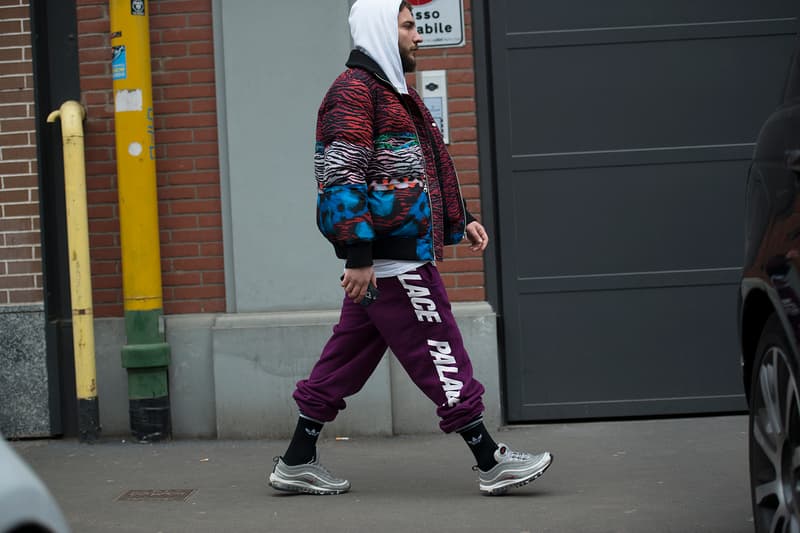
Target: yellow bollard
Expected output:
[72,114]
[146,355]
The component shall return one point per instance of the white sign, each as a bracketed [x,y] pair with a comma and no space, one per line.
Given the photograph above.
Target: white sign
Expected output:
[440,22]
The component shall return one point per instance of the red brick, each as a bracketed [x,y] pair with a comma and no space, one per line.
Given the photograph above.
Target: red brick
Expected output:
[99,254]
[13,167]
[204,235]
[202,292]
[14,139]
[213,277]
[177,193]
[14,196]
[174,136]
[193,149]
[192,121]
[15,253]
[15,224]
[178,222]
[192,307]
[169,50]
[469,280]
[207,163]
[12,82]
[105,240]
[199,264]
[467,294]
[203,106]
[474,206]
[11,40]
[175,107]
[463,134]
[200,20]
[186,34]
[22,239]
[104,226]
[10,26]
[107,282]
[171,21]
[104,268]
[473,264]
[91,12]
[25,296]
[206,135]
[193,91]
[211,250]
[16,96]
[175,165]
[179,250]
[170,78]
[182,278]
[14,111]
[194,178]
[94,69]
[102,197]
[195,206]
[93,26]
[463,121]
[202,76]
[90,84]
[21,210]
[210,191]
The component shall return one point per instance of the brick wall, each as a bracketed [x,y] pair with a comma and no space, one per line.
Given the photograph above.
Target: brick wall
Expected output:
[182,52]
[20,241]
[462,269]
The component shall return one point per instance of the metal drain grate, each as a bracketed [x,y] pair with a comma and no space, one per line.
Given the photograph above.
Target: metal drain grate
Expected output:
[156,495]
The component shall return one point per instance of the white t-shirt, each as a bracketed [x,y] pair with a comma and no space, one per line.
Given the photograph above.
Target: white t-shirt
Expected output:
[389,268]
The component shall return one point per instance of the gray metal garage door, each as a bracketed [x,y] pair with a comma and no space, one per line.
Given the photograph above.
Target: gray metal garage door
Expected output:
[623,132]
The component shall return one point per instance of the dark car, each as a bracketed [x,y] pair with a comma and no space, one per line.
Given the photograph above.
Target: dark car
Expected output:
[769,314]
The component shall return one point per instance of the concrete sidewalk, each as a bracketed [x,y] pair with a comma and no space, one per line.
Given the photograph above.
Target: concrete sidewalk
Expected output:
[675,475]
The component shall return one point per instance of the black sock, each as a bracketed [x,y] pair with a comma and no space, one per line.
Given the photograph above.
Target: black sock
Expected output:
[303,447]
[481,444]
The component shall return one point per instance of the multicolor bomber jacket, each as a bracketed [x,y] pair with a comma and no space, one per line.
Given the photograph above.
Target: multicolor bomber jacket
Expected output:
[387,188]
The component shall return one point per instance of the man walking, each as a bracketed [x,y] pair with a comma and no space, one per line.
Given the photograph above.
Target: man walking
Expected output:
[389,201]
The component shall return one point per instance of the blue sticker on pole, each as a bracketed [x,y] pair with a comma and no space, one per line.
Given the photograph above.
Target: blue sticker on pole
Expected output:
[119,64]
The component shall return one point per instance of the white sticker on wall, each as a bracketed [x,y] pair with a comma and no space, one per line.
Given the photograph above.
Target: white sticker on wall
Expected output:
[128,100]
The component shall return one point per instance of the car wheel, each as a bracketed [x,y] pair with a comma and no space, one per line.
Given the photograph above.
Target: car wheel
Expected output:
[774,440]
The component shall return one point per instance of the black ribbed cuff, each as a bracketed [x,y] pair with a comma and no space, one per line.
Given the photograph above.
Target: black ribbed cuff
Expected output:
[359,255]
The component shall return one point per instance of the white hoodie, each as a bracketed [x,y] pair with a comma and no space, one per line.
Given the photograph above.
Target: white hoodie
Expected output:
[373,26]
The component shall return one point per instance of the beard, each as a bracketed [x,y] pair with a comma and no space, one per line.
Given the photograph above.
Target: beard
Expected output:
[408,61]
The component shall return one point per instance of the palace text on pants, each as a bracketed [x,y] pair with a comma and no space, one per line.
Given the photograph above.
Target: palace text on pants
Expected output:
[412,316]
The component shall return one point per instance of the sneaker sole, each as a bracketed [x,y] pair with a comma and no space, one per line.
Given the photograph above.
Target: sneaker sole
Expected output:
[278,483]
[499,491]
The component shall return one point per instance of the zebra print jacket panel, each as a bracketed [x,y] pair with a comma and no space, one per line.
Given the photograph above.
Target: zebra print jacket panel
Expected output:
[387,187]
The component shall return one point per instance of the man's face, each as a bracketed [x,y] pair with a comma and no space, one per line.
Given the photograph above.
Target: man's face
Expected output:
[409,39]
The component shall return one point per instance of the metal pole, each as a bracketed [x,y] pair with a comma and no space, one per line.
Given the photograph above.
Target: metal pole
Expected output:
[146,355]
[72,114]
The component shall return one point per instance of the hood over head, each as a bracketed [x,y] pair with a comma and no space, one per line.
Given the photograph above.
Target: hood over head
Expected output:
[373,26]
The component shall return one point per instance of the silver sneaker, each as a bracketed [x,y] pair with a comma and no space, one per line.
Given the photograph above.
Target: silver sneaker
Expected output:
[513,469]
[310,478]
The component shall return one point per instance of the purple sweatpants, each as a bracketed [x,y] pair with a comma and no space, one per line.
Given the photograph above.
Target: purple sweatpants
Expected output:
[412,316]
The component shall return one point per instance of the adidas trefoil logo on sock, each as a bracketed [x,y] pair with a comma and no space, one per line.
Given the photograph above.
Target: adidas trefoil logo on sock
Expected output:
[474,441]
[311,432]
